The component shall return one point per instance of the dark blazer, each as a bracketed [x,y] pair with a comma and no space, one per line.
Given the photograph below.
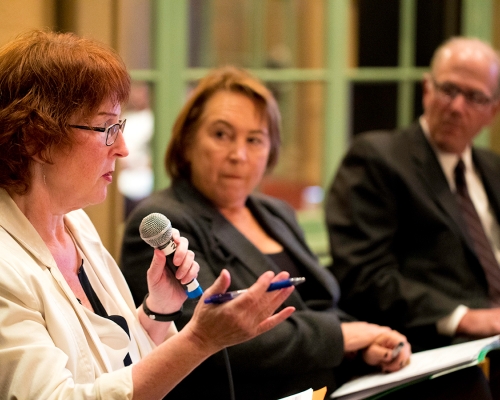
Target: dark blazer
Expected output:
[301,352]
[400,253]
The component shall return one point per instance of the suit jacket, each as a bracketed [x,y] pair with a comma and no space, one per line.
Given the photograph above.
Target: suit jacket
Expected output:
[301,352]
[51,347]
[400,253]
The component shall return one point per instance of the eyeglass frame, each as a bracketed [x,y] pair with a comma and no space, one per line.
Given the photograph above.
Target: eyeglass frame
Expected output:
[120,124]
[452,91]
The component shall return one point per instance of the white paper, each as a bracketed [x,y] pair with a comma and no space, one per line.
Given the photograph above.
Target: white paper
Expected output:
[305,395]
[425,363]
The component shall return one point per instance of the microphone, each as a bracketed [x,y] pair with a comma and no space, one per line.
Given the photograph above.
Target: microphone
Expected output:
[156,230]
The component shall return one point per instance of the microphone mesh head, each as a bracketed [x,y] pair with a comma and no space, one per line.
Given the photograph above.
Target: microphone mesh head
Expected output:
[156,230]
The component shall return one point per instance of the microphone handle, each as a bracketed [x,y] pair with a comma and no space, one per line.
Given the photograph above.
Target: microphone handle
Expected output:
[193,288]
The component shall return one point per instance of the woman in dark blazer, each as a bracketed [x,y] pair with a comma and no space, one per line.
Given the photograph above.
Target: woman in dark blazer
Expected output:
[224,140]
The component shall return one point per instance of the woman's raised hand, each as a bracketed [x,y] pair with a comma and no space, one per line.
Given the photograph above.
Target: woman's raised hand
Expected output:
[220,325]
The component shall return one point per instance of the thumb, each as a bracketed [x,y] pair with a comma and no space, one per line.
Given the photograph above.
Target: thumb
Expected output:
[157,266]
[220,285]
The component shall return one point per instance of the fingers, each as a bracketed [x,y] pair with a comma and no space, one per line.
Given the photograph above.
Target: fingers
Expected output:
[188,269]
[257,303]
[281,276]
[275,319]
[265,303]
[175,235]
[263,281]
[183,259]
[269,302]
[182,247]
[243,318]
[398,362]
[381,352]
[376,355]
[359,335]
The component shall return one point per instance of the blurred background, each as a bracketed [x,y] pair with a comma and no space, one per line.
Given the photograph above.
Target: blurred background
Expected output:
[337,68]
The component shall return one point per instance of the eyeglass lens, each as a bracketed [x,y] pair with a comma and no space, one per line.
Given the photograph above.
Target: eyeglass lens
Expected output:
[471,96]
[113,130]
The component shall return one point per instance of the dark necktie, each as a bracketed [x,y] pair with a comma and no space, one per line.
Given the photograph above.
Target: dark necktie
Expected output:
[476,232]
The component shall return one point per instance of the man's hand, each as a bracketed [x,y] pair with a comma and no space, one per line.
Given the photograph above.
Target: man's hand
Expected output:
[480,323]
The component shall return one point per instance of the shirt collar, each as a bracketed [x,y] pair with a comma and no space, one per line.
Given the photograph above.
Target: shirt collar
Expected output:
[20,228]
[448,161]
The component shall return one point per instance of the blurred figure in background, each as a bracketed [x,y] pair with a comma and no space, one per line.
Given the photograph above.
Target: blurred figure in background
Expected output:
[414,215]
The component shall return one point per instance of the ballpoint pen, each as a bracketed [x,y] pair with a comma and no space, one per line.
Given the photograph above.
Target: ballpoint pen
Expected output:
[223,297]
[396,350]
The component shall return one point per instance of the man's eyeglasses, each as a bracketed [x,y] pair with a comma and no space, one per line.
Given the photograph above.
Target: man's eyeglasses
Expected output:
[111,131]
[472,97]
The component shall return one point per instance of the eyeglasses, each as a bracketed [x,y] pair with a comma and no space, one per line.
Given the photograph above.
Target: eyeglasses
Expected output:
[473,97]
[111,131]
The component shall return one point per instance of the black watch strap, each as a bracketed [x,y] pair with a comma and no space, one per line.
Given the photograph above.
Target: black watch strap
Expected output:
[159,317]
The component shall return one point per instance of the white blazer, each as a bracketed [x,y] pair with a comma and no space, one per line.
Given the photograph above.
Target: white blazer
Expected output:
[51,347]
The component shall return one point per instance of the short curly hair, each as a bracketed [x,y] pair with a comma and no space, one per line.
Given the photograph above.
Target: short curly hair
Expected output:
[230,79]
[45,79]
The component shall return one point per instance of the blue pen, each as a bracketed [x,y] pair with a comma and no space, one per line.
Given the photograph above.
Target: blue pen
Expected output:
[223,297]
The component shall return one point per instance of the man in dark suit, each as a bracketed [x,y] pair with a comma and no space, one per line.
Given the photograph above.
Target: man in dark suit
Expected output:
[404,252]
